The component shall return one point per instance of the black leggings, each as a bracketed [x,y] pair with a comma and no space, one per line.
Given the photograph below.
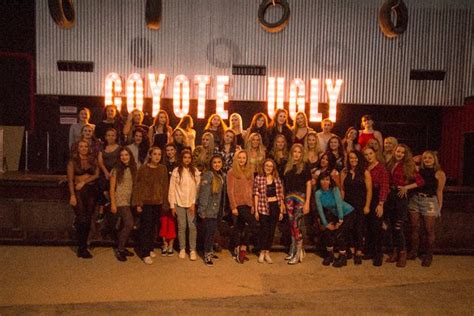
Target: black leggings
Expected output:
[374,228]
[338,238]
[86,201]
[147,229]
[239,234]
[268,225]
[397,212]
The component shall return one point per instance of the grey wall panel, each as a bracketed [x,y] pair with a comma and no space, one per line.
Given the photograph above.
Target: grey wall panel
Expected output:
[324,39]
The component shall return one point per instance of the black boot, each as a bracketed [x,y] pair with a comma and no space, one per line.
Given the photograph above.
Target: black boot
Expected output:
[340,261]
[329,258]
[83,253]
[82,231]
[427,260]
[378,260]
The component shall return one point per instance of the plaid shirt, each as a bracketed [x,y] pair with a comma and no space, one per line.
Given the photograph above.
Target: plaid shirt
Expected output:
[260,190]
[397,177]
[380,180]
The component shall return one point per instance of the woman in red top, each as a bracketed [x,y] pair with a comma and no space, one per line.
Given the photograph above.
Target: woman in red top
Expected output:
[403,177]
[368,132]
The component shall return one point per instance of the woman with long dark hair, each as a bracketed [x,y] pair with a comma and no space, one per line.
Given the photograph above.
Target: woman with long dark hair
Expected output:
[368,132]
[182,197]
[82,175]
[227,149]
[122,178]
[258,125]
[139,147]
[111,119]
[357,191]
[150,196]
[337,218]
[403,177]
[159,134]
[279,126]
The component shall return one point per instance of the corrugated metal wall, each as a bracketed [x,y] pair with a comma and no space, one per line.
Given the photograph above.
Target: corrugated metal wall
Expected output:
[324,39]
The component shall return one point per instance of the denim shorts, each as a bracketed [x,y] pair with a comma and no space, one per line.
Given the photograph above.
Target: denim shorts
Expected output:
[425,205]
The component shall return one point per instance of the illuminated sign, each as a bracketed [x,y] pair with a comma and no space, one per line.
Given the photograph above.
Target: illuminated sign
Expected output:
[182,91]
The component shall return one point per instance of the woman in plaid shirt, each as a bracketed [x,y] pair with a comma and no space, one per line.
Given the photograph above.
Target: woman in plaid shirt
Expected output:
[269,206]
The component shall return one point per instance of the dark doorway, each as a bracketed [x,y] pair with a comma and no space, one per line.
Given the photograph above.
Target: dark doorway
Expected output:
[468,169]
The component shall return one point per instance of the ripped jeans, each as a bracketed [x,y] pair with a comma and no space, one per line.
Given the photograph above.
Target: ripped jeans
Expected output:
[397,212]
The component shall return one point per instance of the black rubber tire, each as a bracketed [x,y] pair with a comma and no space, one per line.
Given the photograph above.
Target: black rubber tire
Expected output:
[279,25]
[153,11]
[388,28]
[62,12]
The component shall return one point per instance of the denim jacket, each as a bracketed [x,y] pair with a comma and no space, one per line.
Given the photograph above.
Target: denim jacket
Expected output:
[209,203]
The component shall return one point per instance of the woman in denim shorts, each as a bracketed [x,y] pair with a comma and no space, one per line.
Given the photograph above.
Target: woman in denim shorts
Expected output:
[426,203]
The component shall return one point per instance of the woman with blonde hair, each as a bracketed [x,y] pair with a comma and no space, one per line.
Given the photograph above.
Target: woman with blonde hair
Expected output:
[300,128]
[311,149]
[297,180]
[256,152]
[237,127]
[403,177]
[202,153]
[134,121]
[389,145]
[279,153]
[426,203]
[239,191]
[178,138]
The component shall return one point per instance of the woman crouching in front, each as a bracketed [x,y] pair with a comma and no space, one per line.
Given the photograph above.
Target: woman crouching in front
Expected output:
[337,218]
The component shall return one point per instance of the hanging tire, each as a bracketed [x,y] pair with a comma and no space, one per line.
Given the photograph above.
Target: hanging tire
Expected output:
[153,10]
[62,12]
[389,28]
[279,25]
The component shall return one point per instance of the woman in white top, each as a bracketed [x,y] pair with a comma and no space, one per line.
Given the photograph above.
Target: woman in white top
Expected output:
[182,196]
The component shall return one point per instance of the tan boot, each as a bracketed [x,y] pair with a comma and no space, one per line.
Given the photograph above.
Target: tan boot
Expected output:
[402,259]
[393,257]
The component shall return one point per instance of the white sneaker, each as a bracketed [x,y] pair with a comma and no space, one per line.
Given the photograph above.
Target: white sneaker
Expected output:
[261,257]
[268,258]
[152,254]
[148,260]
[182,254]
[193,256]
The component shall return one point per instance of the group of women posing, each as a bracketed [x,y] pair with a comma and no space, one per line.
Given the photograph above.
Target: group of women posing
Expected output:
[358,190]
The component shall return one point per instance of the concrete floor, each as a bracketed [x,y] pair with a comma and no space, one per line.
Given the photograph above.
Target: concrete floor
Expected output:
[51,280]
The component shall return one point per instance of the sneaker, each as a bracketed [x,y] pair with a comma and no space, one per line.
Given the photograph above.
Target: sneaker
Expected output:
[214,256]
[182,254]
[152,254]
[148,260]
[208,260]
[340,261]
[328,259]
[261,257]
[268,259]
[170,252]
[164,252]
[192,255]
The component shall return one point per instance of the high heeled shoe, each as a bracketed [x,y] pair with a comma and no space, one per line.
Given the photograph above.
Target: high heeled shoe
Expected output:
[296,259]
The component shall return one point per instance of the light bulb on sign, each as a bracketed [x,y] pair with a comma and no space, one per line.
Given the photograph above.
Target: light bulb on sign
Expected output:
[271,95]
[333,93]
[113,86]
[297,97]
[134,92]
[222,96]
[181,95]
[202,81]
[156,89]
[314,115]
